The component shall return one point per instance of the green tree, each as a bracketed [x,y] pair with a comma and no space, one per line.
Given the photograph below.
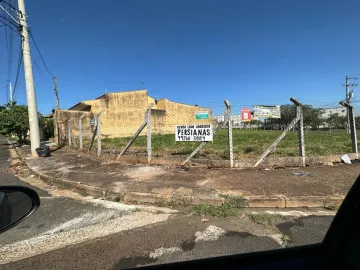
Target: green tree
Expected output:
[336,121]
[48,128]
[357,122]
[14,120]
[312,117]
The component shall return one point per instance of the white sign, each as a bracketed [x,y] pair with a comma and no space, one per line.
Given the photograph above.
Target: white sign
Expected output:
[194,133]
[267,112]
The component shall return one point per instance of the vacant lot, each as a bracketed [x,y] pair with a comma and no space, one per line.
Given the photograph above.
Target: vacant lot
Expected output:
[247,143]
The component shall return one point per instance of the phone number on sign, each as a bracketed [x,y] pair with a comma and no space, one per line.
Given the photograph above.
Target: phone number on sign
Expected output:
[194,138]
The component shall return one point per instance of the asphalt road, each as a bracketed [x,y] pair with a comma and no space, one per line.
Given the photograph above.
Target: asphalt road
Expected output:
[68,233]
[182,238]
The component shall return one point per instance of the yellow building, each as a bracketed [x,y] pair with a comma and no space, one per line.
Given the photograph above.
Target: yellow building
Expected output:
[124,112]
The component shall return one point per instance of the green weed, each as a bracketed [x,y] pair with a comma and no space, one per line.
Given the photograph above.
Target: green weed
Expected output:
[227,209]
[246,143]
[286,240]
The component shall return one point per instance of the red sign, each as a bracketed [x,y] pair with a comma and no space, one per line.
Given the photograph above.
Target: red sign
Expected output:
[246,115]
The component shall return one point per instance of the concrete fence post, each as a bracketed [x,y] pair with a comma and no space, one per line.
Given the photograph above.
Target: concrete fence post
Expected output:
[98,132]
[69,130]
[228,119]
[300,115]
[350,109]
[282,135]
[220,126]
[148,134]
[81,131]
[56,128]
[142,126]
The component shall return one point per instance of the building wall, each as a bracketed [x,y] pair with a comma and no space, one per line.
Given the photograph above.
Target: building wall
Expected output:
[169,114]
[123,113]
[341,111]
[61,125]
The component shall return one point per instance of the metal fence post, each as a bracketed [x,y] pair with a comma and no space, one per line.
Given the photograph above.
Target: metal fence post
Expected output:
[69,130]
[299,114]
[81,132]
[230,139]
[148,134]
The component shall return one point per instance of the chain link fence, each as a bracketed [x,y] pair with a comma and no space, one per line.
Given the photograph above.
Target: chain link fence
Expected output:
[303,129]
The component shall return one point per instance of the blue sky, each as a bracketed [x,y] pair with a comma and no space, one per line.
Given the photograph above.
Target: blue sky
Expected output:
[193,51]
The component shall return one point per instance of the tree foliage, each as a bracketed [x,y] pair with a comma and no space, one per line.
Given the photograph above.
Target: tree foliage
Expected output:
[336,121]
[14,120]
[357,122]
[312,117]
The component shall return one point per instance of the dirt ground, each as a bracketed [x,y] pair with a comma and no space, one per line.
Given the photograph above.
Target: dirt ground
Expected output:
[301,181]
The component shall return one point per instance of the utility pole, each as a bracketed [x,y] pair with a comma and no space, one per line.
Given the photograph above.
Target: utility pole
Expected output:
[10,93]
[29,81]
[56,93]
[348,96]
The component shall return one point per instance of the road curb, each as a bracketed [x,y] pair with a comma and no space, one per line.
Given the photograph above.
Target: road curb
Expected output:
[274,201]
[277,201]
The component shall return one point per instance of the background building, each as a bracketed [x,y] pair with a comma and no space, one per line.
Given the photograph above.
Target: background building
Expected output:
[341,111]
[124,112]
[235,118]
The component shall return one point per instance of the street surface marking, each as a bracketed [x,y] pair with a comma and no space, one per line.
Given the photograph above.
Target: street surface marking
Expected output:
[162,251]
[45,243]
[212,233]
[294,213]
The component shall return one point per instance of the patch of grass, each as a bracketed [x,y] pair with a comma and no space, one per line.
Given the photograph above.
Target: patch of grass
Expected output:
[83,193]
[158,212]
[332,207]
[136,210]
[119,198]
[234,201]
[227,209]
[261,219]
[172,203]
[286,240]
[222,211]
[246,143]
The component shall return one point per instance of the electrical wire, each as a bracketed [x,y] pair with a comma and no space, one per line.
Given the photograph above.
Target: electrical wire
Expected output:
[9,27]
[9,40]
[9,21]
[10,48]
[42,58]
[9,5]
[18,66]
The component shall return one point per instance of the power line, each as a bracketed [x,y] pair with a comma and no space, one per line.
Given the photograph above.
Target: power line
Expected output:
[8,39]
[6,23]
[9,21]
[9,5]
[42,59]
[11,47]
[37,67]
[18,66]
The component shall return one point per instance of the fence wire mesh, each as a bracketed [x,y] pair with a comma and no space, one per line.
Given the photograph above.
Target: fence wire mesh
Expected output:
[325,130]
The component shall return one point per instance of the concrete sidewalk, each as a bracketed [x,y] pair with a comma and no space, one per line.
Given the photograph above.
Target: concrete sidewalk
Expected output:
[318,186]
